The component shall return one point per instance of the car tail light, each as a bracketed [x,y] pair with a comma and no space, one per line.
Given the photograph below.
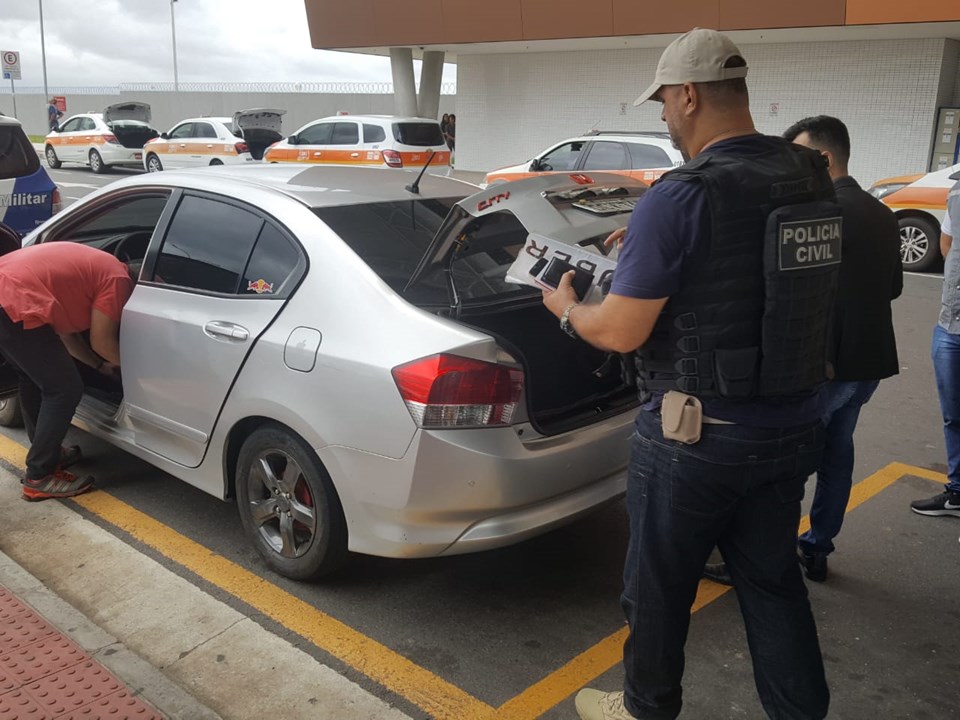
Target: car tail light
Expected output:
[110,138]
[241,147]
[449,391]
[57,202]
[392,158]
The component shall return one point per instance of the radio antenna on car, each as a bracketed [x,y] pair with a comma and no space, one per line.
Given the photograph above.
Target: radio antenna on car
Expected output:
[414,187]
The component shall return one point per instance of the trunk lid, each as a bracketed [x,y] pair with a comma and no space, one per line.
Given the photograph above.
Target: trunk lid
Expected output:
[568,208]
[267,120]
[139,111]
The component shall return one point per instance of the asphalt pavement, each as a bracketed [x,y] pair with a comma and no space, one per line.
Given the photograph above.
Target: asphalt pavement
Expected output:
[510,633]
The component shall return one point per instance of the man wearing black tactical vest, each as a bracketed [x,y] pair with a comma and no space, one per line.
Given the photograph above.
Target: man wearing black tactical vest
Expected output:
[723,290]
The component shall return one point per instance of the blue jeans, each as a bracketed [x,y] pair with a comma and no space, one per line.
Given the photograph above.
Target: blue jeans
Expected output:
[739,488]
[946,366]
[842,401]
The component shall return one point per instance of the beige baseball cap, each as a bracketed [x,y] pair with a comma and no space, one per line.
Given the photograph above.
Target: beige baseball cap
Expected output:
[698,56]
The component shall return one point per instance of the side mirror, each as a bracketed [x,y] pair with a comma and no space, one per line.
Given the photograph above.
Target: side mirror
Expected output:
[165,136]
[534,165]
[293,140]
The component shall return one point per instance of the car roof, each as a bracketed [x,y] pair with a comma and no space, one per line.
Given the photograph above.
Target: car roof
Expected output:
[660,139]
[11,121]
[380,118]
[207,118]
[315,186]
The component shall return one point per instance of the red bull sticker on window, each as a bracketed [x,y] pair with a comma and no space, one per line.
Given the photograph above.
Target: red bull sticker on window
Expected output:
[260,287]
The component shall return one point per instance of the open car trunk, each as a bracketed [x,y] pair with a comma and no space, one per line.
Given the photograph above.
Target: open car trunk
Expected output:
[260,128]
[464,249]
[130,122]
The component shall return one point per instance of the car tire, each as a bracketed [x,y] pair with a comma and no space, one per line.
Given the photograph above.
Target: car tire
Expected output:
[919,244]
[153,163]
[53,162]
[97,164]
[292,515]
[216,161]
[10,413]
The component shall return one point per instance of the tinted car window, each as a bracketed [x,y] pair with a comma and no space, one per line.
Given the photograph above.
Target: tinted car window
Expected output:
[648,156]
[345,134]
[204,130]
[17,156]
[207,245]
[391,237]
[606,156]
[418,133]
[274,262]
[71,125]
[182,131]
[316,135]
[88,124]
[562,158]
[373,133]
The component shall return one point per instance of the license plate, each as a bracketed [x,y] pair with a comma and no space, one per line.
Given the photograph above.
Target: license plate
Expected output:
[138,156]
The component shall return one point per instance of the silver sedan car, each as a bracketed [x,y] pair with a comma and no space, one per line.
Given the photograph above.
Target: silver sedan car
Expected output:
[338,349]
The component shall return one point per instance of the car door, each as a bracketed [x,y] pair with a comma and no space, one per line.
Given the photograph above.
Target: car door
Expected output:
[66,147]
[177,151]
[345,142]
[648,162]
[212,285]
[202,144]
[313,143]
[608,156]
[88,137]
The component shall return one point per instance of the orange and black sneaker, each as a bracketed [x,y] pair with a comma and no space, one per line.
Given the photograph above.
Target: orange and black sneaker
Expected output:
[60,484]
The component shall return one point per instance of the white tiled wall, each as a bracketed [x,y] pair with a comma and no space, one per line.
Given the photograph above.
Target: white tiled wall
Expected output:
[511,106]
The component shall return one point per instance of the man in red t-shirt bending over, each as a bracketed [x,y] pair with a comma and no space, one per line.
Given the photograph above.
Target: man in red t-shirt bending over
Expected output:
[49,295]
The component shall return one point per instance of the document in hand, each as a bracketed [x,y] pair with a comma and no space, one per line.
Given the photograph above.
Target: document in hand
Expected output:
[534,260]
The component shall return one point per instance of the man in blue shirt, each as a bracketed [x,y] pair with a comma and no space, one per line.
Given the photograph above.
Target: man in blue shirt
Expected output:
[53,115]
[722,288]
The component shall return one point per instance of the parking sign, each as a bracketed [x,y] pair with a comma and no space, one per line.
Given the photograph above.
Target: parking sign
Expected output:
[11,64]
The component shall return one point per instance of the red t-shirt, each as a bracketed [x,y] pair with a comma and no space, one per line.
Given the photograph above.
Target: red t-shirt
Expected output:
[60,283]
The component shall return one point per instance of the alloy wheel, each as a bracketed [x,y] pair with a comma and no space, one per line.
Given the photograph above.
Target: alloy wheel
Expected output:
[281,505]
[914,244]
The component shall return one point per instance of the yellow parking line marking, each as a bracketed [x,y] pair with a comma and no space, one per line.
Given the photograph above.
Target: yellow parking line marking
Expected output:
[441,699]
[375,660]
[594,662]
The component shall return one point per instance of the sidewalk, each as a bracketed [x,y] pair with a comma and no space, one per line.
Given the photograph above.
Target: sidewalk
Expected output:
[85,673]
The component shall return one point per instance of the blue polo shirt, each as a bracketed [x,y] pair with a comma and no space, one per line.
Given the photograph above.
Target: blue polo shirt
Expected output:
[667,224]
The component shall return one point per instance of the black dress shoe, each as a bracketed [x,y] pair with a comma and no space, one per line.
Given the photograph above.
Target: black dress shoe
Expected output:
[814,565]
[718,573]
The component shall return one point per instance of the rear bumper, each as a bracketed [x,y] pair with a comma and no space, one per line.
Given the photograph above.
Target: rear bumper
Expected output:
[119,155]
[460,491]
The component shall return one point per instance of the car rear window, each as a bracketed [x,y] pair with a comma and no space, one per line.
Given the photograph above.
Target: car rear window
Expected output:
[419,134]
[391,237]
[17,156]
[373,133]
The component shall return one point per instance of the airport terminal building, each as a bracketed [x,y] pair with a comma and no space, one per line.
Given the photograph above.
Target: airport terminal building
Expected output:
[533,72]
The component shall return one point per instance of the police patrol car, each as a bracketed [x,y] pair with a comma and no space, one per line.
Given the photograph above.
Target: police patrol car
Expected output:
[28,196]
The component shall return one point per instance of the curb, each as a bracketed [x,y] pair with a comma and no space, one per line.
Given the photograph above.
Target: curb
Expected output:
[142,678]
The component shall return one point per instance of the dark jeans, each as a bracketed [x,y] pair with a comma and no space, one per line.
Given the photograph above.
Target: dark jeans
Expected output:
[843,400]
[946,366]
[50,389]
[739,488]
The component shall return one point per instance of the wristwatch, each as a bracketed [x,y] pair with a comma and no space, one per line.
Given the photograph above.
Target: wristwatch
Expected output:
[565,323]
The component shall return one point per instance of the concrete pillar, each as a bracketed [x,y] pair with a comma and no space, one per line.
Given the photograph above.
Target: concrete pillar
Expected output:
[431,77]
[404,87]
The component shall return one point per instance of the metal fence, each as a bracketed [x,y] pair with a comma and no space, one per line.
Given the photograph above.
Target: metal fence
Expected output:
[330,88]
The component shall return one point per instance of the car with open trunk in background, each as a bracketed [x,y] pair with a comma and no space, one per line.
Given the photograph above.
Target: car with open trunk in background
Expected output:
[114,137]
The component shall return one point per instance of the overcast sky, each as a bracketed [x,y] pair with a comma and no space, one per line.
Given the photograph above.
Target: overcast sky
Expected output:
[107,42]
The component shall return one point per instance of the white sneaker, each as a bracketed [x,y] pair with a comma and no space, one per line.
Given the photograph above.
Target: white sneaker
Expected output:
[597,705]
